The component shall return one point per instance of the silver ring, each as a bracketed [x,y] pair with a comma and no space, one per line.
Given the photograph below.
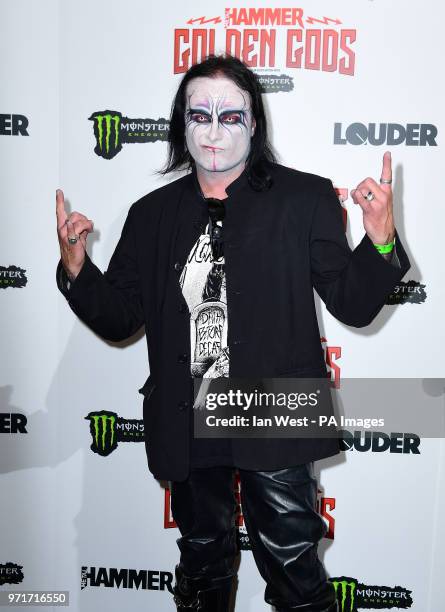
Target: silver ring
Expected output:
[370,196]
[385,181]
[73,240]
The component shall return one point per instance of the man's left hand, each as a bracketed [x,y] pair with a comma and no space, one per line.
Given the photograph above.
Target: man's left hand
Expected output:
[377,208]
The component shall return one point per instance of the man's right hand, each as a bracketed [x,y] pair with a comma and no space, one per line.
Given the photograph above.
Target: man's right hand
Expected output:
[74,225]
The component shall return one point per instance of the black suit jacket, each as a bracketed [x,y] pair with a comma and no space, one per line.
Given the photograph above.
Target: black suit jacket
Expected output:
[279,245]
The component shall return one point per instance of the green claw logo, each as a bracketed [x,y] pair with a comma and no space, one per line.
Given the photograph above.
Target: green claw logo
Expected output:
[345,590]
[103,432]
[107,132]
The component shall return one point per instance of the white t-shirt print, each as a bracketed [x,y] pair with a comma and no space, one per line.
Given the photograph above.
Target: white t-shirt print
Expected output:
[203,284]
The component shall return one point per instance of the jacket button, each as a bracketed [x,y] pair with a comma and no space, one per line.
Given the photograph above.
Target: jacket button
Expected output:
[183,358]
[183,405]
[178,266]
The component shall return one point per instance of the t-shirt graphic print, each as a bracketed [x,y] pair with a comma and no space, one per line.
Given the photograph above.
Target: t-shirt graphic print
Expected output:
[203,284]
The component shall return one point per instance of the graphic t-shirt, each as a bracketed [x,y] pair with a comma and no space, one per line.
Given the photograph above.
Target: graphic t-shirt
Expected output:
[203,284]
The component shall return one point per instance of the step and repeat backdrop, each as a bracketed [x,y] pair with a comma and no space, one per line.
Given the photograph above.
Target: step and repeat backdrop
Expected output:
[85,96]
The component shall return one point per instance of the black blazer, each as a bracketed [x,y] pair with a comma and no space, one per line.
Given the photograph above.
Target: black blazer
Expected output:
[279,245]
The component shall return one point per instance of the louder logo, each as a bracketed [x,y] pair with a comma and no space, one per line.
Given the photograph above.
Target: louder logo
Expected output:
[379,442]
[13,422]
[13,125]
[375,134]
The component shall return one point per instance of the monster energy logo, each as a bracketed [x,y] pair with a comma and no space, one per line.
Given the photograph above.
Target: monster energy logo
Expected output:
[272,83]
[411,292]
[11,573]
[111,130]
[107,429]
[12,276]
[345,591]
[352,595]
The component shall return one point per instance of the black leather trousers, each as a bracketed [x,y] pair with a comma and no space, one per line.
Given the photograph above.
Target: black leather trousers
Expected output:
[283,527]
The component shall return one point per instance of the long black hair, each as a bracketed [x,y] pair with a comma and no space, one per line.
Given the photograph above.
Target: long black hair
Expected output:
[260,154]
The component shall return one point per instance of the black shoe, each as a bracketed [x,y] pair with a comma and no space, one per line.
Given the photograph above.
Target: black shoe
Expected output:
[202,594]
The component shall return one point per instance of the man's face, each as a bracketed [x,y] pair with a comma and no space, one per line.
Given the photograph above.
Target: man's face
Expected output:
[218,123]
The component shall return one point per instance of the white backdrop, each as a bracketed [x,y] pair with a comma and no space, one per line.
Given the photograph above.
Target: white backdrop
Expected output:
[65,507]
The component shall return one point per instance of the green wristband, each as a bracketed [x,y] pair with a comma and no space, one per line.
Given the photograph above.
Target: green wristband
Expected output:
[385,248]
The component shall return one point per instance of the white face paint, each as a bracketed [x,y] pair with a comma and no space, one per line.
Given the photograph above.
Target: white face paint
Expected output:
[218,123]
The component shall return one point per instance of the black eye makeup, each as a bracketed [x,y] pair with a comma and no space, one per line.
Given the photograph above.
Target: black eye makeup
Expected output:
[230,117]
[198,116]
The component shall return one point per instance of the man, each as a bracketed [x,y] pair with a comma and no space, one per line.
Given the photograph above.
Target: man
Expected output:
[220,266]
